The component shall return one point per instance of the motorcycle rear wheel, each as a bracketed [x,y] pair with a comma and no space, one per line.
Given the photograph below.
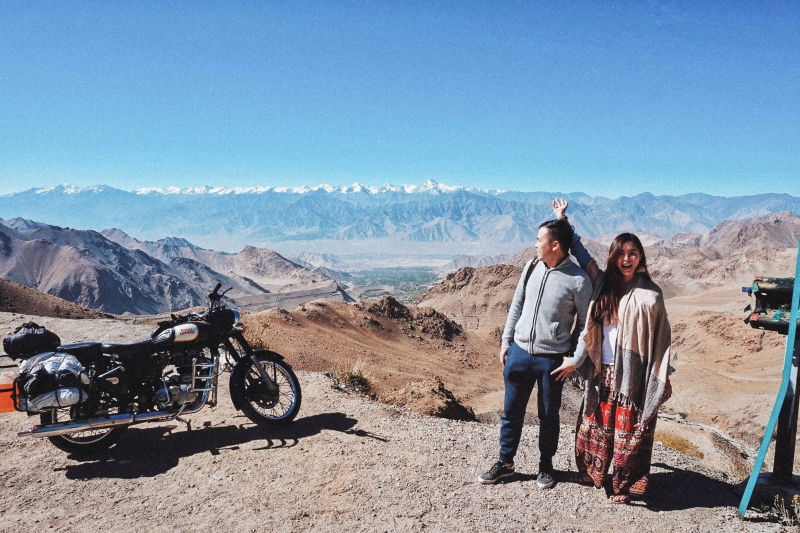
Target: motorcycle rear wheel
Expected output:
[81,442]
[249,392]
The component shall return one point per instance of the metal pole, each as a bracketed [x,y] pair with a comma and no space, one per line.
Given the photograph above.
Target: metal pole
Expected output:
[786,435]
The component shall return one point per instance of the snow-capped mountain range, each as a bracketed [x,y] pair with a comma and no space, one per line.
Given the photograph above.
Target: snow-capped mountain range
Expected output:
[406,218]
[430,187]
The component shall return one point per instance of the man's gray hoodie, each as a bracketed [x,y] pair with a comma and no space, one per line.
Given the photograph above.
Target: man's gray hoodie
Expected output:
[542,324]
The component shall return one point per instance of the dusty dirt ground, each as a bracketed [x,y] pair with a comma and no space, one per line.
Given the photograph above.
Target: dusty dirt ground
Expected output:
[347,462]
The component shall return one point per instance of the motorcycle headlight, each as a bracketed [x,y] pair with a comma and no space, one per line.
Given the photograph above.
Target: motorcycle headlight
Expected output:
[237,320]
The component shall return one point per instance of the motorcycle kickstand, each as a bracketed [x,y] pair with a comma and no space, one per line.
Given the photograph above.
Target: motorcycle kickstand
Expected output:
[185,421]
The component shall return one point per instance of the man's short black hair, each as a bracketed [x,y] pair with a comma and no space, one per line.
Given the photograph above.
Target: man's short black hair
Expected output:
[561,231]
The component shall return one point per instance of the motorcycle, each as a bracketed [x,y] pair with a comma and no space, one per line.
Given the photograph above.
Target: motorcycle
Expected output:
[173,373]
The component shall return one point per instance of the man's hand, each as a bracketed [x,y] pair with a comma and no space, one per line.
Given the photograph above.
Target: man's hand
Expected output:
[503,356]
[560,208]
[668,391]
[565,370]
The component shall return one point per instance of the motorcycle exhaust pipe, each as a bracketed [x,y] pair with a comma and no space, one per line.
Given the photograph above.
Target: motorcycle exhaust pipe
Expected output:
[112,421]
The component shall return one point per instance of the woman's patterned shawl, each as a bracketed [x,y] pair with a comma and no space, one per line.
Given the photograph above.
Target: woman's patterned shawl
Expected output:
[642,354]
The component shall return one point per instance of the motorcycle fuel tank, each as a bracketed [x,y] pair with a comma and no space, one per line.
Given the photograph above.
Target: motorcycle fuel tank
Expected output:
[183,333]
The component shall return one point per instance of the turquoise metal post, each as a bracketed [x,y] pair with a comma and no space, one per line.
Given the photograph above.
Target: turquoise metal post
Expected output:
[787,369]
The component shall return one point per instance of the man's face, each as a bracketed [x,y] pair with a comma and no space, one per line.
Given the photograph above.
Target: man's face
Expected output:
[545,247]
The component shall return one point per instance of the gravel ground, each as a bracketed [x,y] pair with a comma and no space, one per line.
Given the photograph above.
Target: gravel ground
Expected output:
[346,463]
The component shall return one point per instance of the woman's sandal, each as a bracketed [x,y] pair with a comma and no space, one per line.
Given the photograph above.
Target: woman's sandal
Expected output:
[619,498]
[581,478]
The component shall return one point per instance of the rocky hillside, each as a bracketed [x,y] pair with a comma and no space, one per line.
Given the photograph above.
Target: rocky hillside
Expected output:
[86,268]
[264,267]
[779,230]
[475,298]
[732,252]
[170,248]
[393,345]
[16,298]
[115,273]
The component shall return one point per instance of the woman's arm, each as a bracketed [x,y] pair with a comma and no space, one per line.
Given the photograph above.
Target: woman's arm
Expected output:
[576,248]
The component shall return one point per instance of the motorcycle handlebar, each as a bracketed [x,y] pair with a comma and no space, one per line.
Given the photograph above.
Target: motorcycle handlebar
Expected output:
[215,296]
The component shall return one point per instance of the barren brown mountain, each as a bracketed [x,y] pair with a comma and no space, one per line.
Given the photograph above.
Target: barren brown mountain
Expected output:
[116,273]
[86,268]
[477,299]
[734,252]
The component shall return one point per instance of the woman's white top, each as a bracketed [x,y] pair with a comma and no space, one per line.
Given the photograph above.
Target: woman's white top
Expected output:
[609,342]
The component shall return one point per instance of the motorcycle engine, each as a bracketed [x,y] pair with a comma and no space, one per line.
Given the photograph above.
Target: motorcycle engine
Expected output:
[179,385]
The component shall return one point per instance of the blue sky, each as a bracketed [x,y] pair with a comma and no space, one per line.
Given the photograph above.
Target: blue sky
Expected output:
[607,98]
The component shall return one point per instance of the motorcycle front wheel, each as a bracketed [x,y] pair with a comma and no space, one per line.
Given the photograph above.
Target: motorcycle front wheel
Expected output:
[259,405]
[81,442]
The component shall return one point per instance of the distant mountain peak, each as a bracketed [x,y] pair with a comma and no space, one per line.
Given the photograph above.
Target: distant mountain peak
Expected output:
[21,224]
[66,188]
[176,241]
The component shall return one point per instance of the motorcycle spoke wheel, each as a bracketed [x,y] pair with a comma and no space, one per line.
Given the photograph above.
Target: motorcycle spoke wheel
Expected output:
[258,404]
[81,442]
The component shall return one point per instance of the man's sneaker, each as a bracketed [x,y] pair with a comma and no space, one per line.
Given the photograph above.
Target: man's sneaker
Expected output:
[498,471]
[545,479]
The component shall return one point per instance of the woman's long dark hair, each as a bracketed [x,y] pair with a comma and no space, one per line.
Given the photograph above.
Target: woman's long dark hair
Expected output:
[614,286]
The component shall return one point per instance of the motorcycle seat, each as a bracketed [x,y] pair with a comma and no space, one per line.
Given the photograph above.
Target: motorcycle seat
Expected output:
[82,350]
[137,348]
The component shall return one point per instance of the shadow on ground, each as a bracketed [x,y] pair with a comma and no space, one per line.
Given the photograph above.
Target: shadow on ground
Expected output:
[678,489]
[149,451]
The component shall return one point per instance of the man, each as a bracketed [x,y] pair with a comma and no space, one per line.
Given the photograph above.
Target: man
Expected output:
[538,340]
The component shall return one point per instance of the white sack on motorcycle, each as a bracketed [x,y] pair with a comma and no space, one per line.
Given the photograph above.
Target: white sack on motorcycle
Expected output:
[50,380]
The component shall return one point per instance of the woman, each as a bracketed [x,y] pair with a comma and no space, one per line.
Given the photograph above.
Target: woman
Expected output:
[624,354]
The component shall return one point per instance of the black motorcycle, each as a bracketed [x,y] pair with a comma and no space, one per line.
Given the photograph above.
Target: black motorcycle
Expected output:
[173,373]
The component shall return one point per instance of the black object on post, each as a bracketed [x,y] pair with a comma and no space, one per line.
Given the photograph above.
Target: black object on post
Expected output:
[771,312]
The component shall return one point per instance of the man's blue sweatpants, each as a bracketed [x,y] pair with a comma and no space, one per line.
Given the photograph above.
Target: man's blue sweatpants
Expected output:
[522,371]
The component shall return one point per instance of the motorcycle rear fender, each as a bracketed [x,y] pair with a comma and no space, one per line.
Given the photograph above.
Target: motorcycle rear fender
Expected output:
[263,355]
